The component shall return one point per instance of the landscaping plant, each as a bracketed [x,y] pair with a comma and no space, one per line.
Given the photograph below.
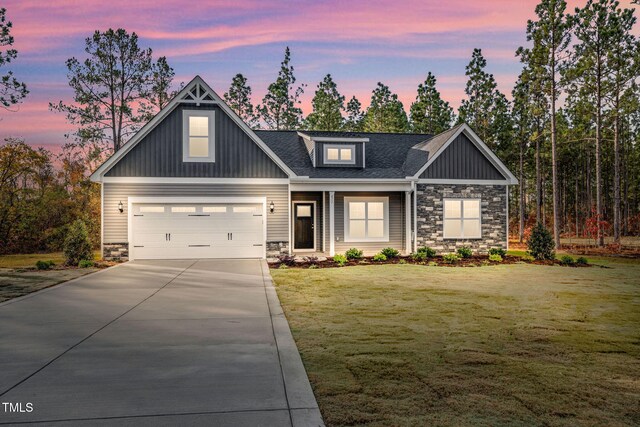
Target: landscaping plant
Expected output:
[495,258]
[390,253]
[450,258]
[423,253]
[340,259]
[498,251]
[582,261]
[540,244]
[567,260]
[379,257]
[77,246]
[85,263]
[465,252]
[353,253]
[286,259]
[44,265]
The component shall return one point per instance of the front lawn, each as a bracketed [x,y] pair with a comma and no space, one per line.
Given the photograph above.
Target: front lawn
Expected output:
[510,344]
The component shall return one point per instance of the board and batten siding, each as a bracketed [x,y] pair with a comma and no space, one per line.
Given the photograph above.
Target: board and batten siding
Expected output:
[396,222]
[115,223]
[462,160]
[159,154]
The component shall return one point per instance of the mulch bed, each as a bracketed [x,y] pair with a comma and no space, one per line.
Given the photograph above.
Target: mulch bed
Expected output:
[473,261]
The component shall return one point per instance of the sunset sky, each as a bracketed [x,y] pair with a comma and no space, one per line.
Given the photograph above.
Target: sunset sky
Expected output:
[358,42]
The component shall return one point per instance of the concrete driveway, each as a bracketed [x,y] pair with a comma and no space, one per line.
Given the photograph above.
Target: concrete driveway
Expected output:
[188,342]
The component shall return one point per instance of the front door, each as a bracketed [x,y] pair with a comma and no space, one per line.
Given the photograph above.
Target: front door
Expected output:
[303,226]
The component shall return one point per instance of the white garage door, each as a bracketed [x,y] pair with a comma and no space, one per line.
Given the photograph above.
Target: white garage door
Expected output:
[190,230]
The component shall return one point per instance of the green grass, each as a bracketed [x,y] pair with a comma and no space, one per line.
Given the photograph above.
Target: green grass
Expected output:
[29,260]
[503,345]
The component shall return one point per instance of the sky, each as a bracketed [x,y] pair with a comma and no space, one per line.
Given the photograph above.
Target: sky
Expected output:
[358,42]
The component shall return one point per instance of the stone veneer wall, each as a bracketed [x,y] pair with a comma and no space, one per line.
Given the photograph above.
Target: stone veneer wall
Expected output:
[115,251]
[277,248]
[430,216]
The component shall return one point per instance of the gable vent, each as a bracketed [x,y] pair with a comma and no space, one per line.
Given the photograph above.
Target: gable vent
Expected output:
[198,94]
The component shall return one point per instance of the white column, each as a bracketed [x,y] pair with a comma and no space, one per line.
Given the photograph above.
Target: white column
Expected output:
[407,221]
[324,222]
[507,202]
[415,218]
[289,208]
[332,236]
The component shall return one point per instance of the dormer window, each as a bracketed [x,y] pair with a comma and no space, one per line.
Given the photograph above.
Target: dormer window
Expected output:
[339,154]
[198,136]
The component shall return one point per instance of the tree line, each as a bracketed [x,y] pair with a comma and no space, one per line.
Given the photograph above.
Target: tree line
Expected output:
[570,130]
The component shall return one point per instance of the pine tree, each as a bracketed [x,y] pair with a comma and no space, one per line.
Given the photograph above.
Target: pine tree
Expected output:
[430,113]
[480,91]
[355,117]
[162,76]
[328,105]
[238,97]
[521,116]
[279,109]
[385,113]
[11,90]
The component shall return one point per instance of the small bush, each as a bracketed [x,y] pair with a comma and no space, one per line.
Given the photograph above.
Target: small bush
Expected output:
[540,243]
[419,256]
[498,251]
[402,261]
[582,261]
[85,263]
[339,259]
[390,253]
[432,264]
[77,246]
[427,251]
[495,258]
[353,253]
[450,258]
[465,252]
[485,262]
[527,258]
[567,260]
[379,257]
[283,266]
[313,266]
[286,260]
[44,265]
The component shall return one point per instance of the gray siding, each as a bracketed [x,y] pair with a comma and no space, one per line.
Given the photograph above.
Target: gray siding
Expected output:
[159,154]
[462,160]
[319,152]
[308,197]
[115,223]
[396,223]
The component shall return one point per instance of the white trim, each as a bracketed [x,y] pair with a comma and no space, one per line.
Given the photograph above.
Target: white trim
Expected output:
[475,139]
[314,218]
[101,221]
[289,250]
[99,173]
[372,181]
[324,222]
[385,219]
[507,202]
[332,223]
[167,200]
[369,187]
[167,180]
[339,147]
[464,181]
[407,221]
[415,217]
[332,138]
[462,217]
[211,137]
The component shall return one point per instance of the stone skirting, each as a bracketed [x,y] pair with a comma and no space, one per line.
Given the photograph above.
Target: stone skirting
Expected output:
[277,248]
[115,251]
[430,216]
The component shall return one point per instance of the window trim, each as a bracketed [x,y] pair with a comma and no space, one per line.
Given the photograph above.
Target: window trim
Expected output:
[325,151]
[462,218]
[211,115]
[385,218]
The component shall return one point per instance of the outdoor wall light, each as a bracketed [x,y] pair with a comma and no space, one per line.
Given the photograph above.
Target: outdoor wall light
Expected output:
[120,207]
[272,207]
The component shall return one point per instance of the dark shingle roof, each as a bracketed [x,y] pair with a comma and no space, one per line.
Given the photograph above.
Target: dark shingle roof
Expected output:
[387,154]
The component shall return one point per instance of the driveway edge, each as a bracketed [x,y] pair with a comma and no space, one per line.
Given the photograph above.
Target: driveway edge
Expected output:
[302,402]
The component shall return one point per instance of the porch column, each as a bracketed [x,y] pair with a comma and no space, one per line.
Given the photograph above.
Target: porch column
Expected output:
[332,235]
[407,222]
[415,218]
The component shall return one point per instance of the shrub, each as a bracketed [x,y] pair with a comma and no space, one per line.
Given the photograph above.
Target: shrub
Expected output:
[85,263]
[339,259]
[419,256]
[390,253]
[432,264]
[313,266]
[283,266]
[498,251]
[495,258]
[44,265]
[567,260]
[540,244]
[402,261]
[379,257]
[427,251]
[353,253]
[582,261]
[450,258]
[465,252]
[77,246]
[286,260]
[527,258]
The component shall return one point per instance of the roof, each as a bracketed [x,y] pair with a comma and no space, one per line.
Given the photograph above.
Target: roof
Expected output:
[386,153]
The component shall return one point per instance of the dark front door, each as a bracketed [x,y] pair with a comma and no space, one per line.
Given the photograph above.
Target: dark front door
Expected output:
[303,226]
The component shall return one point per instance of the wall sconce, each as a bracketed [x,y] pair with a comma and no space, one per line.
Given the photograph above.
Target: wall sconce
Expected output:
[120,207]
[272,207]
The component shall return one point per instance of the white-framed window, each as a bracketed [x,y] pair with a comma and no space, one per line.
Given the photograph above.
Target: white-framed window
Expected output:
[198,136]
[340,154]
[462,219]
[366,219]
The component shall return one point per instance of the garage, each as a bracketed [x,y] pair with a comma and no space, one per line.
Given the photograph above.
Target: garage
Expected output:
[183,230]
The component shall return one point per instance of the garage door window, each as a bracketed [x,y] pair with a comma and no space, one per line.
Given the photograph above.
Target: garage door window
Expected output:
[183,209]
[244,209]
[214,209]
[151,209]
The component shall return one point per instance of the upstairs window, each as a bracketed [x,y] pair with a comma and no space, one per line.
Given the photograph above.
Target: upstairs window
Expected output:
[462,219]
[340,154]
[198,136]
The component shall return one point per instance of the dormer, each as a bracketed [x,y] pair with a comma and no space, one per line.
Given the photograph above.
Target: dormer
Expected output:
[335,151]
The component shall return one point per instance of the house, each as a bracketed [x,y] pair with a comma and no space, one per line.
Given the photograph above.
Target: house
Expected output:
[197,182]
